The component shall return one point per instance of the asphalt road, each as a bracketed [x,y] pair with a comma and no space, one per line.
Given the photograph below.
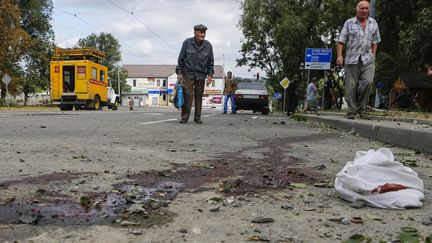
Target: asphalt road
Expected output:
[73,176]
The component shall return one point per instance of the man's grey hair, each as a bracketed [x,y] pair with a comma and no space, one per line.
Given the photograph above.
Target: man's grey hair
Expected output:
[361,2]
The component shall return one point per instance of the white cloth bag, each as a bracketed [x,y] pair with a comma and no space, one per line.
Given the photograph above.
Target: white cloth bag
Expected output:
[375,168]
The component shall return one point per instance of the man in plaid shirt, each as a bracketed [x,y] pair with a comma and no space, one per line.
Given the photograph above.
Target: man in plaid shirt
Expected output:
[361,36]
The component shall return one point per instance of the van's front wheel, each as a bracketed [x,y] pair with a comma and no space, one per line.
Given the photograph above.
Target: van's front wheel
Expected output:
[97,103]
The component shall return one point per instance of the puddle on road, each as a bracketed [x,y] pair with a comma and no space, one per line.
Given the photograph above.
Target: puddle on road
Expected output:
[140,202]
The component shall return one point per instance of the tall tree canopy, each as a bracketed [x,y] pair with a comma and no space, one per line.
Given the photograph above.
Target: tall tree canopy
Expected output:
[406,38]
[277,32]
[107,43]
[35,20]
[26,44]
[14,41]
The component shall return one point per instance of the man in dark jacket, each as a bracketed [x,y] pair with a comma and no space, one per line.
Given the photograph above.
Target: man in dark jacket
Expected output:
[195,64]
[292,95]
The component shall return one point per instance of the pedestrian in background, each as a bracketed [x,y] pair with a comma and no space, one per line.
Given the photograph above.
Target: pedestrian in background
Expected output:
[361,36]
[195,64]
[292,95]
[229,90]
[329,96]
[131,103]
[311,103]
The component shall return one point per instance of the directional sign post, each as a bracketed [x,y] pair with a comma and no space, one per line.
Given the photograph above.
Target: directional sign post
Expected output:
[318,58]
[284,83]
[6,79]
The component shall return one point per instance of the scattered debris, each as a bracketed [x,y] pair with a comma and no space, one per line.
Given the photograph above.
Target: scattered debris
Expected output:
[372,217]
[357,220]
[229,185]
[262,220]
[358,204]
[427,221]
[261,237]
[320,167]
[214,209]
[409,162]
[135,231]
[182,230]
[287,207]
[357,238]
[129,223]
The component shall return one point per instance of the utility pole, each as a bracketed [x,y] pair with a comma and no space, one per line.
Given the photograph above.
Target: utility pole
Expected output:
[118,81]
[372,8]
[223,76]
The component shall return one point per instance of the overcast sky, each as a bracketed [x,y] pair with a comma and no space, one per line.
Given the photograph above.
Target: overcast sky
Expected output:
[153,34]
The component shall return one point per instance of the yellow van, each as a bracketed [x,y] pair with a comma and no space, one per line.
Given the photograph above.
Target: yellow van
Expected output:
[77,79]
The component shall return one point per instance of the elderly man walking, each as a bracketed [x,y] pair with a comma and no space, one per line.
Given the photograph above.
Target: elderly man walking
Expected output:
[195,64]
[361,36]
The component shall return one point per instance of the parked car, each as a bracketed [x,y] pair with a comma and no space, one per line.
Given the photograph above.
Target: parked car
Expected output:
[252,96]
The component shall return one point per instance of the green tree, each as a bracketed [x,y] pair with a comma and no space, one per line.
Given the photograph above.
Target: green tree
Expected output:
[35,20]
[108,44]
[406,35]
[14,41]
[277,32]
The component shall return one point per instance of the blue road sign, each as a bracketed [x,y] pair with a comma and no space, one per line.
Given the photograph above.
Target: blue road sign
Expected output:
[277,96]
[318,58]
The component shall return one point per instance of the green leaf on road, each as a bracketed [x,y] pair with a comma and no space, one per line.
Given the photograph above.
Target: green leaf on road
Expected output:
[428,239]
[409,162]
[84,201]
[372,216]
[298,185]
[357,238]
[408,235]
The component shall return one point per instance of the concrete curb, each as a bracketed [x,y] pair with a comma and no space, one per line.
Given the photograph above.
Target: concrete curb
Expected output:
[384,118]
[406,135]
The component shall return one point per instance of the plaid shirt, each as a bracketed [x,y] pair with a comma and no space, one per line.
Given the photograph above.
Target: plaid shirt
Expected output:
[230,86]
[358,41]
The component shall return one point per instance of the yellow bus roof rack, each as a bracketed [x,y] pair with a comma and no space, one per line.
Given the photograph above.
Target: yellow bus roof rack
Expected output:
[78,54]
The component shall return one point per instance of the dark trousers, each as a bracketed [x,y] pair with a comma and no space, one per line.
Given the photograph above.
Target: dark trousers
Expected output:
[192,88]
[292,104]
[327,103]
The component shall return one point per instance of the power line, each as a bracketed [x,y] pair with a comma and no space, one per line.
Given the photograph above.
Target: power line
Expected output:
[150,9]
[142,22]
[98,29]
[79,18]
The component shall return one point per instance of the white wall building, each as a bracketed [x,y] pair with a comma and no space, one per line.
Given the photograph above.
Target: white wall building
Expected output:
[151,85]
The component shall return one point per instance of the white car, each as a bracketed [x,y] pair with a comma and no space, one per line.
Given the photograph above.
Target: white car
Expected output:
[252,96]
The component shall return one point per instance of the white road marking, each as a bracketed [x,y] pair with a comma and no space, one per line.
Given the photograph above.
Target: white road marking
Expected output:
[167,120]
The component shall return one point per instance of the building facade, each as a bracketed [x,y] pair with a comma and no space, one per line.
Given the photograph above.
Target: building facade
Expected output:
[151,85]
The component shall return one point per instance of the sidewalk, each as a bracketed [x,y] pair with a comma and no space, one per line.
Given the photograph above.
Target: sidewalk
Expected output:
[404,132]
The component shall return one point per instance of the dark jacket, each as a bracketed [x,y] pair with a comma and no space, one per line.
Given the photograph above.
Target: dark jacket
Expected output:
[292,88]
[195,61]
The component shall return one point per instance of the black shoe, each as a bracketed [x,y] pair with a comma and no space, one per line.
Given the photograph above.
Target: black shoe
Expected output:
[233,112]
[198,121]
[182,121]
[224,112]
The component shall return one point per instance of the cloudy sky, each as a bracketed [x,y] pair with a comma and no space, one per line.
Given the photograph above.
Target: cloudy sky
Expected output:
[152,31]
